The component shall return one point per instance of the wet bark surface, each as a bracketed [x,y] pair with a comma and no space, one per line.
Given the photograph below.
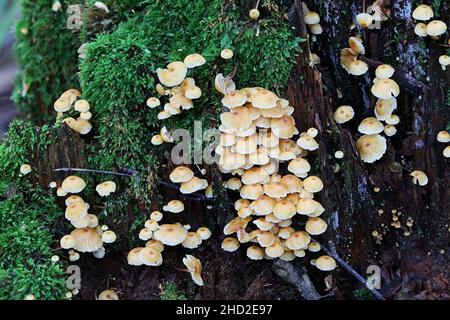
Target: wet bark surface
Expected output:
[412,267]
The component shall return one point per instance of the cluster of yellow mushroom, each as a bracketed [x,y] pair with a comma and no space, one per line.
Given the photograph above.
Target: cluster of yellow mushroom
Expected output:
[434,28]
[444,137]
[257,133]
[349,57]
[312,20]
[189,182]
[88,236]
[72,99]
[159,235]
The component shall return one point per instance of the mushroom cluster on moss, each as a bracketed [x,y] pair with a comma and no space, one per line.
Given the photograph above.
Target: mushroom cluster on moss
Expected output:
[87,236]
[257,133]
[71,99]
[434,28]
[159,235]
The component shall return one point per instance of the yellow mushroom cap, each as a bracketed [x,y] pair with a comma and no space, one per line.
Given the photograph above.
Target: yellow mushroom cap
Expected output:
[231,161]
[67,242]
[443,136]
[390,130]
[284,209]
[313,184]
[192,241]
[204,233]
[419,177]
[133,257]
[444,61]
[299,166]
[73,184]
[246,145]
[371,147]
[308,143]
[156,216]
[254,14]
[423,13]
[421,29]
[275,250]
[357,68]
[62,105]
[283,127]
[195,268]
[446,152]
[385,89]
[343,114]
[193,185]
[193,93]
[174,206]
[263,205]
[230,244]
[312,132]
[364,19]
[393,120]
[76,211]
[293,183]
[82,126]
[155,244]
[233,184]
[263,224]
[151,225]
[300,253]
[234,99]
[312,18]
[254,175]
[263,99]
[255,253]
[150,257]
[325,263]
[170,234]
[71,94]
[276,190]
[108,295]
[25,169]
[306,206]
[173,75]
[82,106]
[435,28]
[157,140]
[194,60]
[75,256]
[370,125]
[236,118]
[251,191]
[181,174]
[235,225]
[153,102]
[356,44]
[86,240]
[224,85]
[384,108]
[226,54]
[315,28]
[60,192]
[104,189]
[384,71]
[314,246]
[315,226]
[298,240]
[109,236]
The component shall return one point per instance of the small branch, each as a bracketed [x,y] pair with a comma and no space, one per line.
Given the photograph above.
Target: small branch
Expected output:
[352,271]
[97,171]
[234,71]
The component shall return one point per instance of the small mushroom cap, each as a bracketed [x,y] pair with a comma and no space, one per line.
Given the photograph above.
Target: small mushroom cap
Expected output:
[312,132]
[82,106]
[171,234]
[312,18]
[263,99]
[174,206]
[153,102]
[276,190]
[384,71]
[343,114]
[313,184]
[251,191]
[155,244]
[71,94]
[193,93]
[173,75]
[283,127]
[150,257]
[446,152]
[236,118]
[151,225]
[306,206]
[315,29]
[181,174]
[325,263]
[384,108]
[73,184]
[358,67]
[390,130]
[263,205]
[300,253]
[308,143]
[423,13]
[226,54]
[385,89]
[223,84]
[298,240]
[76,211]
[314,246]
[109,236]
[230,244]
[275,250]
[67,242]
[254,14]
[133,257]
[443,136]
[104,189]
[444,61]
[233,184]
[234,99]
[364,19]
[293,183]
[371,147]
[421,29]
[156,216]
[193,185]
[356,44]
[284,209]
[255,253]
[235,225]
[204,233]
[370,125]
[195,268]
[86,240]
[419,177]
[82,126]
[192,241]
[435,28]
[194,60]
[299,166]
[254,175]
[347,56]
[393,120]
[315,226]
[62,105]
[25,169]
[108,295]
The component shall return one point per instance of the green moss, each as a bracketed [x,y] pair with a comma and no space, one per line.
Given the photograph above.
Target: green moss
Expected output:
[47,54]
[170,291]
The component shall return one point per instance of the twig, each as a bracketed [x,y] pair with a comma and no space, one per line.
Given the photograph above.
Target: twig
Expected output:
[352,271]
[96,171]
[234,71]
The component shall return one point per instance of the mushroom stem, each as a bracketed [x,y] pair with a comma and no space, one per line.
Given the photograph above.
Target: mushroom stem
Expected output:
[257,4]
[364,6]
[97,171]
[352,271]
